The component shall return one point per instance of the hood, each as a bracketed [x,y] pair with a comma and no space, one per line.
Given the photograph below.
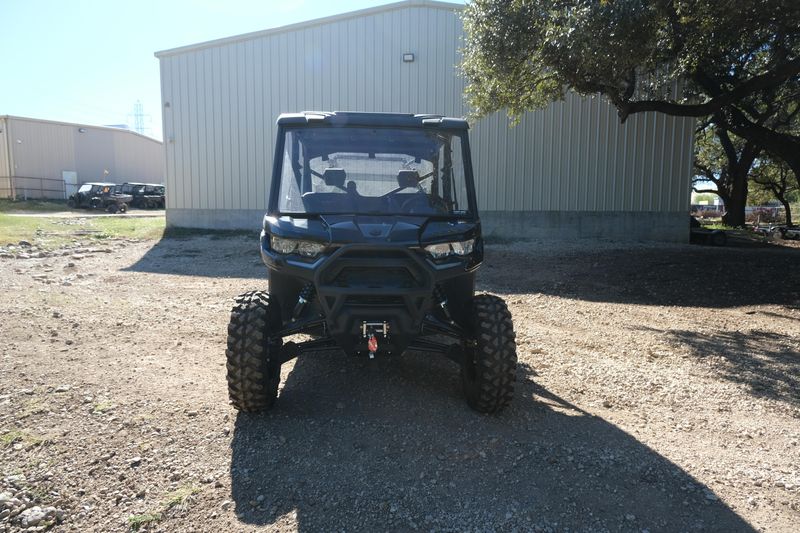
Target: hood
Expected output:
[410,230]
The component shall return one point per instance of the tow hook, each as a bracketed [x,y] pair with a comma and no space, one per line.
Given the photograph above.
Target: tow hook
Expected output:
[372,346]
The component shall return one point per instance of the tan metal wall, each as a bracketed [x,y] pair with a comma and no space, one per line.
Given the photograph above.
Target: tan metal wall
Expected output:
[41,150]
[221,100]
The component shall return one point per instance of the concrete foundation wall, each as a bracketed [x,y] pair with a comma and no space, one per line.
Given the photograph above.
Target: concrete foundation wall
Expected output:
[525,225]
[624,226]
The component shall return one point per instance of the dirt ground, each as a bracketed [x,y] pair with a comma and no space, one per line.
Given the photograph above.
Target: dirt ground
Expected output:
[658,390]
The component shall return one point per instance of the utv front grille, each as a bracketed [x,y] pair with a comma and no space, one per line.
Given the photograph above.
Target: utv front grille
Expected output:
[360,276]
[375,278]
[374,301]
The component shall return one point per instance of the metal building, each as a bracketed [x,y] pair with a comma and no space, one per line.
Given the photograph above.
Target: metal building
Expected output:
[570,168]
[47,159]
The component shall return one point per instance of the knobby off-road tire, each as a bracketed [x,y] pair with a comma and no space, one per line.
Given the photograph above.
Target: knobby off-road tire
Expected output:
[490,368]
[253,372]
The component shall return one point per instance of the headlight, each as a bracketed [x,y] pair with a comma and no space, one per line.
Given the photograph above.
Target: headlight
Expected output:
[309,249]
[439,250]
[290,246]
[460,248]
[463,248]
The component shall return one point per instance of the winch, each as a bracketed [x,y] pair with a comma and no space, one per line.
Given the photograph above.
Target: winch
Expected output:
[370,331]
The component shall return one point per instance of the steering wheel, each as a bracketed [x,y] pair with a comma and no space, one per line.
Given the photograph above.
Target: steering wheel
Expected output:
[421,203]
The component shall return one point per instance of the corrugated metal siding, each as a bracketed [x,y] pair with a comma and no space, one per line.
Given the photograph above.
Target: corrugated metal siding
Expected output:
[42,150]
[221,103]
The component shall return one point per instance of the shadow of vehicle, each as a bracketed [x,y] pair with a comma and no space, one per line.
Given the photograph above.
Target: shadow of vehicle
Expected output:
[389,445]
[213,254]
[679,276]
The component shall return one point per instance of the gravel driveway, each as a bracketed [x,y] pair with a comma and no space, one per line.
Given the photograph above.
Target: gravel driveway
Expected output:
[658,390]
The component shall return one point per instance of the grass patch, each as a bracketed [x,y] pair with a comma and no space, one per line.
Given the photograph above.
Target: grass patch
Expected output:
[37,206]
[180,497]
[141,520]
[52,232]
[15,435]
[720,225]
[103,407]
[177,499]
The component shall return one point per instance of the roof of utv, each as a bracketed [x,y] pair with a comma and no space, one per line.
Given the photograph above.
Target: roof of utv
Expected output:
[349,118]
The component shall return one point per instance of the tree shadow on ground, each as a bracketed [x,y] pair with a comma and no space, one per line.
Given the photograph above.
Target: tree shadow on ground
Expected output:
[687,276]
[767,363]
[390,445]
[213,255]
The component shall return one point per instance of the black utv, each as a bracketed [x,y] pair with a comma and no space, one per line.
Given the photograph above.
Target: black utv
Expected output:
[372,242]
[144,195]
[100,196]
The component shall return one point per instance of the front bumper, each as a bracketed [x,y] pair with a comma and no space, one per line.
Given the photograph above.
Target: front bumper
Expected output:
[358,283]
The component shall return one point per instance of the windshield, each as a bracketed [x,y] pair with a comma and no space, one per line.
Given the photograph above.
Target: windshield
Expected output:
[378,171]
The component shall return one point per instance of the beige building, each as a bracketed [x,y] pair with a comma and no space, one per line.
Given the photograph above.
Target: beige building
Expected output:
[570,170]
[46,159]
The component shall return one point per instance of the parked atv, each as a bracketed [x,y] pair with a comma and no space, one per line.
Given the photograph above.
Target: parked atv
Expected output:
[784,232]
[100,196]
[372,242]
[145,195]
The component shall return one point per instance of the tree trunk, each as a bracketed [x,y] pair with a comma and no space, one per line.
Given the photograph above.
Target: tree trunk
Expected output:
[736,202]
[782,145]
[788,211]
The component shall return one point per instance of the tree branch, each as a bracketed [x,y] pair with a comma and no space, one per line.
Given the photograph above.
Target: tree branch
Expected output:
[756,83]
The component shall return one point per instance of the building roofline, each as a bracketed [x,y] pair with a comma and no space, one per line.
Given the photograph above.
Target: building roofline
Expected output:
[435,4]
[79,125]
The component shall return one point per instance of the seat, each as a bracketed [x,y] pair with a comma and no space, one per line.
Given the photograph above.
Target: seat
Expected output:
[334,177]
[407,178]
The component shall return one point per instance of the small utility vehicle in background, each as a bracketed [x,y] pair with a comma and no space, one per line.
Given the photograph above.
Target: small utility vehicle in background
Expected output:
[372,242]
[144,195]
[100,196]
[785,232]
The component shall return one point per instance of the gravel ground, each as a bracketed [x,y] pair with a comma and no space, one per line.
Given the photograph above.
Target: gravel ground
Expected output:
[658,390]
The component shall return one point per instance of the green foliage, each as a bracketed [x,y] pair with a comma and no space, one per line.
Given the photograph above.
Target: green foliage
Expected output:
[54,231]
[39,206]
[759,196]
[28,439]
[135,522]
[179,498]
[522,54]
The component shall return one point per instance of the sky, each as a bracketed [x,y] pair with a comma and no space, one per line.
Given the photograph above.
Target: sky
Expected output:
[89,61]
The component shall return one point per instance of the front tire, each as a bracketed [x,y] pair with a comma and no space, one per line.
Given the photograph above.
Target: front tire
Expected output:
[253,370]
[489,369]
